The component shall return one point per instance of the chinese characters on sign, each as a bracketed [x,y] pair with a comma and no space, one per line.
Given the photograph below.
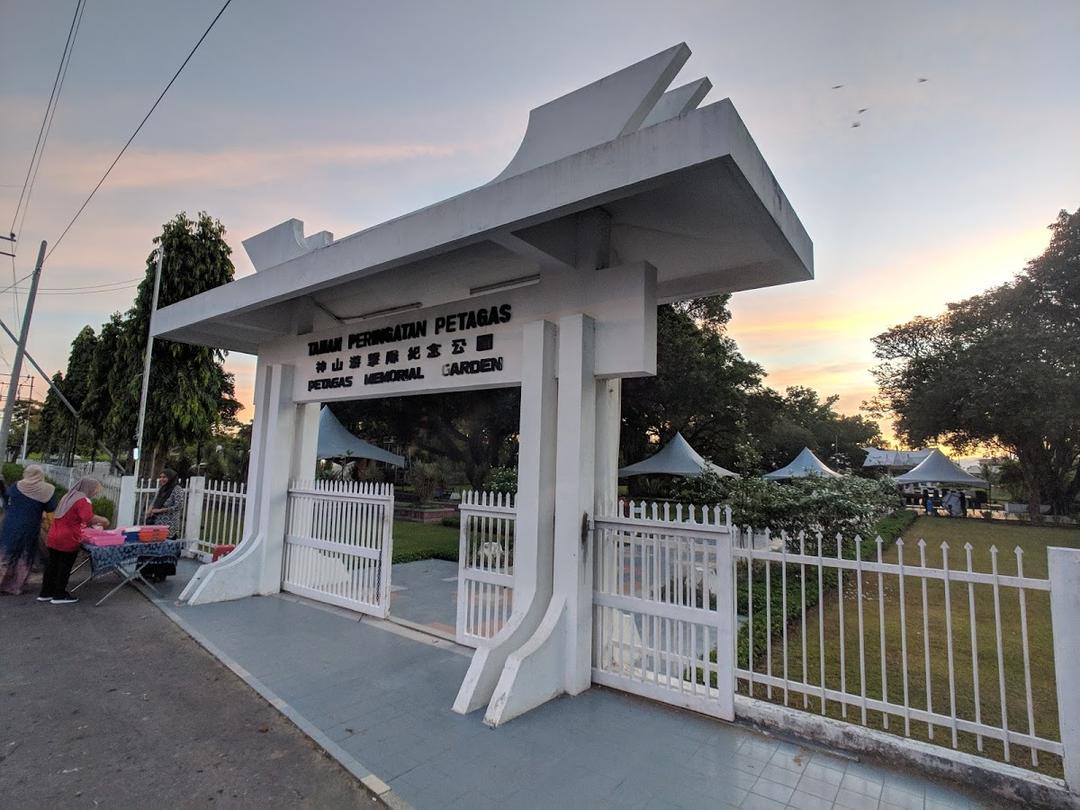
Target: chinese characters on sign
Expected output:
[451,345]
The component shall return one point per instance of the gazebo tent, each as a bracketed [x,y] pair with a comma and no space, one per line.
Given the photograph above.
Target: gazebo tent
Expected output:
[805,465]
[937,468]
[676,458]
[336,442]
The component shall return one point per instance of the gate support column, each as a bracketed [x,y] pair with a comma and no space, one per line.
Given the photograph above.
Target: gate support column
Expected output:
[255,566]
[558,657]
[534,523]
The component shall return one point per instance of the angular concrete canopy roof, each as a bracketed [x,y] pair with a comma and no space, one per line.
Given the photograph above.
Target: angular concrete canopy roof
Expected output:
[938,468]
[684,189]
[676,458]
[337,442]
[805,465]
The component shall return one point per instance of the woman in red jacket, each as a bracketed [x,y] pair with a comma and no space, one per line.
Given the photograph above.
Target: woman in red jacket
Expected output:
[65,539]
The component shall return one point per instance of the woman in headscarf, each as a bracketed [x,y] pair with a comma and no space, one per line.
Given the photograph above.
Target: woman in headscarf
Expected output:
[65,538]
[27,500]
[166,510]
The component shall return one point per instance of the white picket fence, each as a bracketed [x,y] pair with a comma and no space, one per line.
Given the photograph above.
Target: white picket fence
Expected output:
[338,537]
[662,604]
[485,588]
[680,597]
[212,511]
[213,515]
[912,647]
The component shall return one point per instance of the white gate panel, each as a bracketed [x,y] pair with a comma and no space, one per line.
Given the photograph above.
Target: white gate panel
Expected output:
[338,544]
[485,589]
[662,605]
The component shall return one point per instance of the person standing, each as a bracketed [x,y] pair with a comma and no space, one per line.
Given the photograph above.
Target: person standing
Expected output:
[27,500]
[167,509]
[65,538]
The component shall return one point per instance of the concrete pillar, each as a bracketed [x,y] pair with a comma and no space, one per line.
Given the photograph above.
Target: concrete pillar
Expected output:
[534,526]
[196,490]
[305,455]
[1064,573]
[557,658]
[125,509]
[608,428]
[575,476]
[255,567]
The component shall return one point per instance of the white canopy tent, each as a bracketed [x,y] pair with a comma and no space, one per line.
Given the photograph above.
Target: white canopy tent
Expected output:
[937,468]
[805,465]
[336,442]
[676,458]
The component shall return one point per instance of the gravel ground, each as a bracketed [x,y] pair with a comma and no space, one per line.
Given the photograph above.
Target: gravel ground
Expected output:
[115,706]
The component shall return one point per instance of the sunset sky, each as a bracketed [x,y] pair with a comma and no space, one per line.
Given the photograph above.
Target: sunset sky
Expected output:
[346,113]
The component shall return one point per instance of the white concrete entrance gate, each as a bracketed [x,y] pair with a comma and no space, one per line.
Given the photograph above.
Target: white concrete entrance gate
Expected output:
[623,195]
[339,544]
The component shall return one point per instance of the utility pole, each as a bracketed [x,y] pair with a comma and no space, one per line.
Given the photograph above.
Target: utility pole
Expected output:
[146,360]
[26,422]
[20,350]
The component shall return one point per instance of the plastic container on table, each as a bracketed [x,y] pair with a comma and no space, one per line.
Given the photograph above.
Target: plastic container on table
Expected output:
[102,537]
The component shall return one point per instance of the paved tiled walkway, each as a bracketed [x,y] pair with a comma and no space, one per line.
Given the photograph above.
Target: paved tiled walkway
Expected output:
[425,593]
[385,699]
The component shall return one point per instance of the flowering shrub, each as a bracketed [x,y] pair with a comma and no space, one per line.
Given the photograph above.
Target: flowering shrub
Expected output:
[502,479]
[847,506]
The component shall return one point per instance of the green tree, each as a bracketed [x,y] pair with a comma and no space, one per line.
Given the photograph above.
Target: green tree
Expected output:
[99,396]
[190,393]
[1000,369]
[473,429]
[702,388]
[54,419]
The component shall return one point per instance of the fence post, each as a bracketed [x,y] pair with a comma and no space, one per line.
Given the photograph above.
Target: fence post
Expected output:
[196,491]
[725,626]
[1064,565]
[125,509]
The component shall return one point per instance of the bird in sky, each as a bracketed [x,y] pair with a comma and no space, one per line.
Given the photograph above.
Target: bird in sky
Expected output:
[855,124]
[863,109]
[837,86]
[922,80]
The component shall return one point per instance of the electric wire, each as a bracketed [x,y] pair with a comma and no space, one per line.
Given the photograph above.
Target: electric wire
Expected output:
[150,112]
[52,114]
[48,107]
[42,139]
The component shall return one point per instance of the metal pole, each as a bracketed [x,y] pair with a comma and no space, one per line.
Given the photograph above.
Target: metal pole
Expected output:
[146,360]
[20,350]
[26,422]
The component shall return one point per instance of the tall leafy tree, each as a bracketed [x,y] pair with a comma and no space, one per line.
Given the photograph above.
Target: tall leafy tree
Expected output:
[99,395]
[999,369]
[702,387]
[54,419]
[474,429]
[190,392]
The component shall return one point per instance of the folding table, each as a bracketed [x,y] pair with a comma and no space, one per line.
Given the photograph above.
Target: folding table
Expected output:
[127,561]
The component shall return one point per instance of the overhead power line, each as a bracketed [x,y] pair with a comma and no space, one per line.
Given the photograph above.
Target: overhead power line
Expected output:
[42,139]
[146,117]
[52,115]
[53,97]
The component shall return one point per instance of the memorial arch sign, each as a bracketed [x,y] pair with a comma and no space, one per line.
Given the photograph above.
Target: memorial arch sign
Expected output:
[622,195]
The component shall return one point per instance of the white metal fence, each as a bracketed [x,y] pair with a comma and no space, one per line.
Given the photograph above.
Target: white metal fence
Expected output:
[214,514]
[485,588]
[338,538]
[662,621]
[932,649]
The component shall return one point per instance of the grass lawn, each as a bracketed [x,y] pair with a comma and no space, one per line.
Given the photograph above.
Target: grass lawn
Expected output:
[981,535]
[422,541]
